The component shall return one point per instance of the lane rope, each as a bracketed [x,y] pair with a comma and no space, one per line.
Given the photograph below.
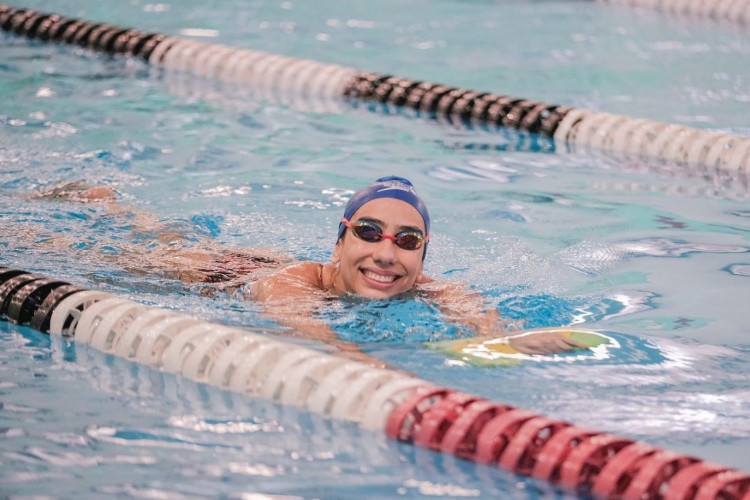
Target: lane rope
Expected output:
[406,408]
[733,11]
[565,126]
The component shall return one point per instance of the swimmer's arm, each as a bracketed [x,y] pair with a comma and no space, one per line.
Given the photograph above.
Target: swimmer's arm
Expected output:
[467,307]
[289,297]
[463,307]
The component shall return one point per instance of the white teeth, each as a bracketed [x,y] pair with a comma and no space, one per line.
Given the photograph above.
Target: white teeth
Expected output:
[379,277]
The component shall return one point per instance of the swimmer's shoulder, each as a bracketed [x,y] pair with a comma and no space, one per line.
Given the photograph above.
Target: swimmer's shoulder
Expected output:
[287,280]
[423,280]
[306,271]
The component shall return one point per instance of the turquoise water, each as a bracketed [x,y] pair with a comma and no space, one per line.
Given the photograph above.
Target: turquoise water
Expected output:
[652,254]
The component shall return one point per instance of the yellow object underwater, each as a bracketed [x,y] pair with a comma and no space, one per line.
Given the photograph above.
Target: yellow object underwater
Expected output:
[496,351]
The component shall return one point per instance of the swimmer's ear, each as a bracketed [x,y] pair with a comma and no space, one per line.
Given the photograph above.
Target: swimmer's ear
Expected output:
[421,278]
[336,257]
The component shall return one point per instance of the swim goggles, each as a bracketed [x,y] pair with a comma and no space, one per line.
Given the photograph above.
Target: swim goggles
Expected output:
[365,230]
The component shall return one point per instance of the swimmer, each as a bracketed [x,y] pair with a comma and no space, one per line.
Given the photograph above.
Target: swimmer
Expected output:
[379,253]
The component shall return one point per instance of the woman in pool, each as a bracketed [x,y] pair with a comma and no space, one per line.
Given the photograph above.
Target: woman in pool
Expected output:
[379,254]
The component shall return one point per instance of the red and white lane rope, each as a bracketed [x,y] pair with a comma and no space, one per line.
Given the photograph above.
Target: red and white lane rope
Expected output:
[639,138]
[407,408]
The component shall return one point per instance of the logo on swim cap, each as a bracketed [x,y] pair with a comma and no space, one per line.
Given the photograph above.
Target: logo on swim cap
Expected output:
[397,185]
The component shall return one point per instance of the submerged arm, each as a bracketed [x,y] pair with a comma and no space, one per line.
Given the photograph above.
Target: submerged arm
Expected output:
[468,308]
[464,307]
[169,249]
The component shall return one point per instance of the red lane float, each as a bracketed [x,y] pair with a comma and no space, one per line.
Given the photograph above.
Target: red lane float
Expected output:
[653,474]
[435,423]
[726,484]
[556,451]
[585,461]
[404,421]
[461,438]
[522,453]
[616,474]
[493,439]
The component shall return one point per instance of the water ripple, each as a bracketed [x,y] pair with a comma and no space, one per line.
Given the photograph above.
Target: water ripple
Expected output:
[133,491]
[193,423]
[150,439]
[58,458]
[738,269]
[594,258]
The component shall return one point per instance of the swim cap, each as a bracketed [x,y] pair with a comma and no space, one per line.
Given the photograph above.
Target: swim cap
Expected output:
[392,186]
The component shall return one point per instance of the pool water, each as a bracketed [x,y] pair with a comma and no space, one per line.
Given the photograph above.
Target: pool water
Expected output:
[655,255]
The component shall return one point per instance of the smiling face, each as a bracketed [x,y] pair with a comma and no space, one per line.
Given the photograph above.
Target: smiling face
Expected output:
[379,270]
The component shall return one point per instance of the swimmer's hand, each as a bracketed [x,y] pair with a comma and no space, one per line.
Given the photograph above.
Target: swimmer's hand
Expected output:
[552,342]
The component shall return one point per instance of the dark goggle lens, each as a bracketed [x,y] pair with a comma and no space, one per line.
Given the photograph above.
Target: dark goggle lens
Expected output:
[368,232]
[409,241]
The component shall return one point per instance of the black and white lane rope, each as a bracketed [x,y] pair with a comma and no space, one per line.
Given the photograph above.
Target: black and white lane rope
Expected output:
[732,11]
[234,359]
[646,139]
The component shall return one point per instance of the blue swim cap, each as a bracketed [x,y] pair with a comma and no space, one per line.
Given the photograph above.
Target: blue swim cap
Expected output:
[392,186]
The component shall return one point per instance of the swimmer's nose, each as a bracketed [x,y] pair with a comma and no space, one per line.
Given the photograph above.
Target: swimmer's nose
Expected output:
[384,252]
